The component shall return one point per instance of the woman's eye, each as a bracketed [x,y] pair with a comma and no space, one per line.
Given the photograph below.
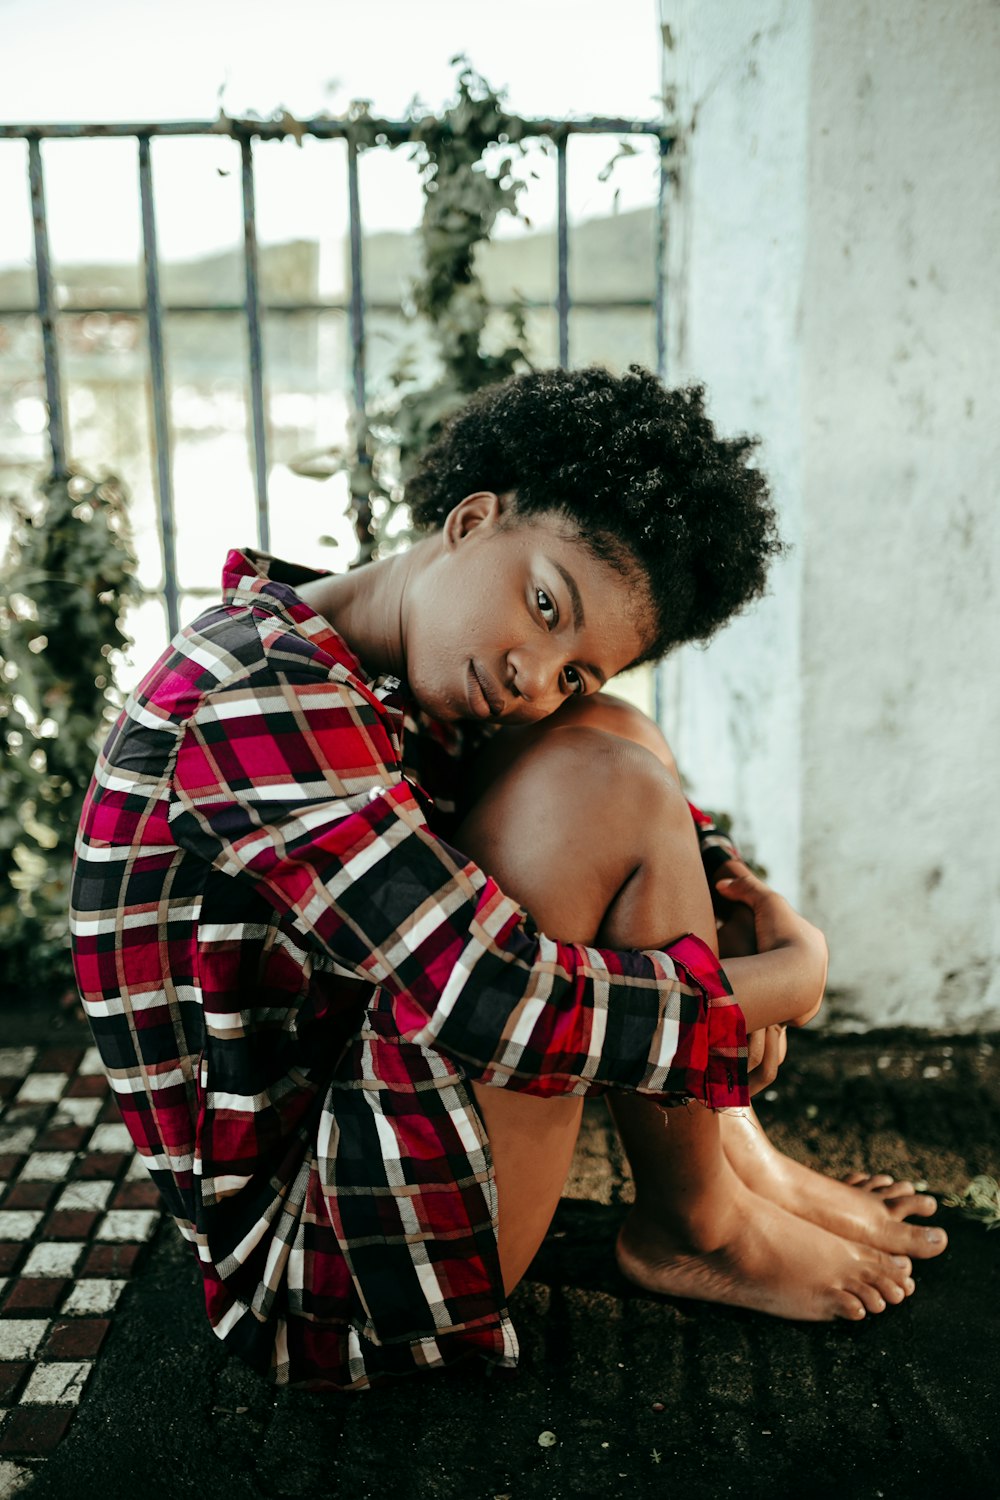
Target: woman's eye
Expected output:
[574,681]
[546,608]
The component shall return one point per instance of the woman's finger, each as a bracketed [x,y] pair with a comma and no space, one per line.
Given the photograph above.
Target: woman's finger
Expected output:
[755,1048]
[745,888]
[775,1045]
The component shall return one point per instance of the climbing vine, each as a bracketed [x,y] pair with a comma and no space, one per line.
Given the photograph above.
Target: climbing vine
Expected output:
[467,158]
[64,583]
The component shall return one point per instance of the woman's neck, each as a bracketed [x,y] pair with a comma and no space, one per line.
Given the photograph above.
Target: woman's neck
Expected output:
[366,607]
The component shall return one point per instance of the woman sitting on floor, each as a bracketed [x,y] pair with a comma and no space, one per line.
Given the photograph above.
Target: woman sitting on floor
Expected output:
[352,1063]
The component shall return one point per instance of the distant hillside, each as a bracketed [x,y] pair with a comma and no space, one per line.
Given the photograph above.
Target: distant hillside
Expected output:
[609,257]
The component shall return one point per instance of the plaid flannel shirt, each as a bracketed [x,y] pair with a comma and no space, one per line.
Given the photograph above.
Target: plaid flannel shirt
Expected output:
[290,978]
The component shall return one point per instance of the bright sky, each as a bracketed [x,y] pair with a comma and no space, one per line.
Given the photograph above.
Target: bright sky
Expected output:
[153,59]
[159,59]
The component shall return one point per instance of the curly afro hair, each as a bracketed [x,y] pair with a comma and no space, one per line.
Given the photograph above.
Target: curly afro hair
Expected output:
[640,472]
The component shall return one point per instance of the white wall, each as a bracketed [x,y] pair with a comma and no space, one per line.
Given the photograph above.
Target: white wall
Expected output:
[737,248]
[901,634]
[838,291]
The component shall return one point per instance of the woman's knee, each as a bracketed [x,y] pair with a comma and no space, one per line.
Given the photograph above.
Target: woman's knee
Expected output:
[573,820]
[618,717]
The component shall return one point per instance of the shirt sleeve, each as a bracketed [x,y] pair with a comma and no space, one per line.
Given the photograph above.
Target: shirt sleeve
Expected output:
[295,788]
[715,844]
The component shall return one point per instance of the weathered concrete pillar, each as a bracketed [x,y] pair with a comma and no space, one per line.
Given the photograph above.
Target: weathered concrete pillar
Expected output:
[836,282]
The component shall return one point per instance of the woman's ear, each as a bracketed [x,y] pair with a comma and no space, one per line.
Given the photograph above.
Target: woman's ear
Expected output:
[477,512]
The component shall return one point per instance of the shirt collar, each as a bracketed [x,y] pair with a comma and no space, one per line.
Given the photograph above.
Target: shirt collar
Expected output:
[259,581]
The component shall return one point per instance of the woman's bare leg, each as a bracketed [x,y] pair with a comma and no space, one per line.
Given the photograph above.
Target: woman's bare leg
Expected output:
[873,1214]
[588,863]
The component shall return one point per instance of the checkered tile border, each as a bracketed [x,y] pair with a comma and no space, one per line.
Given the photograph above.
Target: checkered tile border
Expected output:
[76,1208]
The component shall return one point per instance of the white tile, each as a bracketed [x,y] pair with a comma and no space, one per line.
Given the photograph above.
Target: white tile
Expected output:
[19,1223]
[3,1282]
[137,1170]
[20,1337]
[13,1478]
[48,1166]
[42,1088]
[52,1258]
[86,1195]
[91,1062]
[128,1224]
[110,1138]
[17,1138]
[16,1061]
[93,1296]
[57,1383]
[77,1112]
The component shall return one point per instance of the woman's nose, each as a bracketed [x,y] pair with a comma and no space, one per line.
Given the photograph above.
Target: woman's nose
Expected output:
[536,675]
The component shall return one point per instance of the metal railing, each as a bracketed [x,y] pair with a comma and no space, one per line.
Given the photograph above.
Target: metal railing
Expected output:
[388,133]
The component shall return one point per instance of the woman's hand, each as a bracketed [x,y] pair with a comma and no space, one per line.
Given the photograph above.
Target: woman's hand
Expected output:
[785,981]
[736,936]
[766,1050]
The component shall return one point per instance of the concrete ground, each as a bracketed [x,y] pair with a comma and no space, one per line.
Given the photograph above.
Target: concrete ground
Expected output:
[644,1396]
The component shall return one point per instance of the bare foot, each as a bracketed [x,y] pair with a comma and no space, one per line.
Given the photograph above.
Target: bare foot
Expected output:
[751,1253]
[872,1216]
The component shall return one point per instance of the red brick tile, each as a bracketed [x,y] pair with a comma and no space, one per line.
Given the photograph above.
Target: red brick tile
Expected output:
[9,1086]
[63,1138]
[69,1224]
[10,1254]
[137,1195]
[39,1292]
[110,1260]
[11,1375]
[90,1086]
[102,1164]
[30,1195]
[9,1165]
[35,1429]
[59,1060]
[77,1338]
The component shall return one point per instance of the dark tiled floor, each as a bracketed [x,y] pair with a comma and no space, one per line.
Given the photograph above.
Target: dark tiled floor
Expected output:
[644,1396]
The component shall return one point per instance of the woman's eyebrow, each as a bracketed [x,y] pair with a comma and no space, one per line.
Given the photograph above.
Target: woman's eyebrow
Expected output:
[574,592]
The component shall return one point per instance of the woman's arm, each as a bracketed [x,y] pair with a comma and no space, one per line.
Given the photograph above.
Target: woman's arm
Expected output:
[265,789]
[784,980]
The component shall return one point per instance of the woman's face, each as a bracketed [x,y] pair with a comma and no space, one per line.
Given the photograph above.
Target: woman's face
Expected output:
[514,616]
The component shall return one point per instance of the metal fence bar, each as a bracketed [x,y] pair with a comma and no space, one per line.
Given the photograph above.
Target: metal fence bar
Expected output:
[562,233]
[47,310]
[257,417]
[161,426]
[295,309]
[385,133]
[389,132]
[360,489]
[661,261]
[357,287]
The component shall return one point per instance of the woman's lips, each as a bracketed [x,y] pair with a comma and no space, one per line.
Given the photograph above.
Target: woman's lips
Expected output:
[485,696]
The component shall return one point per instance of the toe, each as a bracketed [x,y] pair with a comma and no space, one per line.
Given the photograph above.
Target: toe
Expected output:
[850,1306]
[869,1295]
[893,1189]
[928,1243]
[909,1204]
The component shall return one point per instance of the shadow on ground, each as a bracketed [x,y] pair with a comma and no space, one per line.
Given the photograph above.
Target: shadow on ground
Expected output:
[645,1397]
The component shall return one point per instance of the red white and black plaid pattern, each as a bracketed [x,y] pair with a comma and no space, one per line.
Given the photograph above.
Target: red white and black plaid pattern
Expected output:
[290,977]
